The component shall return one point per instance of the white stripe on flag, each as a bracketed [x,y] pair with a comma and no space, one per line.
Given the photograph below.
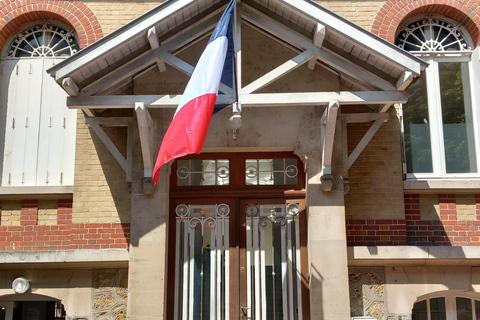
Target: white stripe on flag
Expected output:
[206,76]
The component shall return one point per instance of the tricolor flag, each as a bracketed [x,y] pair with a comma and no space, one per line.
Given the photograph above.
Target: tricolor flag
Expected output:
[188,129]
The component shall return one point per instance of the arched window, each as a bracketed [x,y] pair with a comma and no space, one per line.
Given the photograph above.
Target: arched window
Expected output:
[45,40]
[440,117]
[447,305]
[37,129]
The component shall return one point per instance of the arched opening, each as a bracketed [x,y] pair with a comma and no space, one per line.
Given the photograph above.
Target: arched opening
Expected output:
[29,306]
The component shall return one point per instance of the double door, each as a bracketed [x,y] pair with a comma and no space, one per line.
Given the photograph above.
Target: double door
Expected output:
[237,259]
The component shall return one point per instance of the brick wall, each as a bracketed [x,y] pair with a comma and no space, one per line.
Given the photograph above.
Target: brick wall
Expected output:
[27,234]
[376,176]
[457,222]
[100,191]
[376,232]
[430,220]
[393,13]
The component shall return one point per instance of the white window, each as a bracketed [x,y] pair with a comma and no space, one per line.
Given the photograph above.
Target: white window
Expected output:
[447,305]
[441,116]
[38,131]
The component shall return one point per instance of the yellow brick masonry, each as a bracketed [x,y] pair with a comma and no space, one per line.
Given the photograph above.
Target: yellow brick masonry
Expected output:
[47,212]
[114,14]
[376,176]
[100,186]
[11,211]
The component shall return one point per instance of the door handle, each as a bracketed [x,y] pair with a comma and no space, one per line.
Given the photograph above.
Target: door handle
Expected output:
[244,312]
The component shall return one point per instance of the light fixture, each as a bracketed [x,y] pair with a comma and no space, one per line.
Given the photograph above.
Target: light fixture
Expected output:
[20,285]
[234,123]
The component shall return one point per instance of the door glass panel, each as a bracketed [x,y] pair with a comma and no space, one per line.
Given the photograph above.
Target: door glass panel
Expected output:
[437,309]
[464,308]
[417,130]
[273,262]
[419,311]
[271,172]
[202,242]
[458,133]
[203,172]
[477,309]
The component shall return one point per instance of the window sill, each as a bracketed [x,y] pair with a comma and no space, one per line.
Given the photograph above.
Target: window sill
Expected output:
[442,185]
[33,192]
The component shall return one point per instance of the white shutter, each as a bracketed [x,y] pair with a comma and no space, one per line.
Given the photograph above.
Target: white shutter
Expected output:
[39,146]
[57,134]
[23,78]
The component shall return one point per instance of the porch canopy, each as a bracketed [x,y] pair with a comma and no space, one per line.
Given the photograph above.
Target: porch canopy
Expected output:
[371,71]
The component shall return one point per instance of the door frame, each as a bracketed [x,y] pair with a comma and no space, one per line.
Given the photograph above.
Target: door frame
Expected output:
[305,302]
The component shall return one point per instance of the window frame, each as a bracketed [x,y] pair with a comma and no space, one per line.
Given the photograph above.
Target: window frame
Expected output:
[471,57]
[450,302]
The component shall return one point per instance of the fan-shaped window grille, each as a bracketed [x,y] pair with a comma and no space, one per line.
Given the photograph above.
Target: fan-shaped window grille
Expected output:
[432,34]
[44,40]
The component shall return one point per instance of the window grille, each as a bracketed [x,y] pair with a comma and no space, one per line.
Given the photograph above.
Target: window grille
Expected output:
[44,40]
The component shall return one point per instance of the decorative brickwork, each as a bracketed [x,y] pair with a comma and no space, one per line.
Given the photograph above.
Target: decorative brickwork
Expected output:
[64,235]
[376,232]
[394,12]
[452,229]
[15,13]
[430,220]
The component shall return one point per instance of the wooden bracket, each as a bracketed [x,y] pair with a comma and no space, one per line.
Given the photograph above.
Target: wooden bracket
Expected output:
[145,130]
[96,125]
[404,80]
[317,41]
[154,44]
[328,126]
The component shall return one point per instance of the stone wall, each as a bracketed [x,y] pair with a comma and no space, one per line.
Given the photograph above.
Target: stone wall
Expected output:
[110,290]
[367,292]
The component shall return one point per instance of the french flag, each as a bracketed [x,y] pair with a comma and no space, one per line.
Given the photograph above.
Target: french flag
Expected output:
[188,129]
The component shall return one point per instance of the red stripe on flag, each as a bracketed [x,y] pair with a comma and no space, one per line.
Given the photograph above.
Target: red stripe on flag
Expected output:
[187,132]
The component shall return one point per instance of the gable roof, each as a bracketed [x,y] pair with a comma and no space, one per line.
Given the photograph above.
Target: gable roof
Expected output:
[364,61]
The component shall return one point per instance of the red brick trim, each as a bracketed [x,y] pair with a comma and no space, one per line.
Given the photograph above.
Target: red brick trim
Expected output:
[376,232]
[76,14]
[393,12]
[28,236]
[29,214]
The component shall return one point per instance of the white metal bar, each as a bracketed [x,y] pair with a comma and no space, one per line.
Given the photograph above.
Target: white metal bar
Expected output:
[185,270]
[177,266]
[227,267]
[248,227]
[284,273]
[219,232]
[191,263]
[263,284]
[214,294]
[258,279]
[290,270]
[298,268]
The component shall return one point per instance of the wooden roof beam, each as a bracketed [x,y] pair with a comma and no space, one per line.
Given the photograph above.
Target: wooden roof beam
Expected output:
[318,38]
[336,62]
[154,44]
[249,100]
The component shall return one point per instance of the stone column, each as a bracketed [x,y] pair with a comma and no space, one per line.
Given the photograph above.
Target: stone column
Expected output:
[329,292]
[147,252]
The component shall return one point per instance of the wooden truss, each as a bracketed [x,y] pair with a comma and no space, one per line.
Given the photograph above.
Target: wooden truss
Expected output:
[379,93]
